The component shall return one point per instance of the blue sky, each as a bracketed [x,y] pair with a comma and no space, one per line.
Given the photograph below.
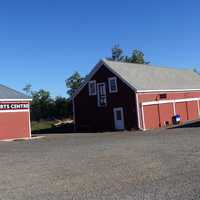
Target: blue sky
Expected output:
[42,42]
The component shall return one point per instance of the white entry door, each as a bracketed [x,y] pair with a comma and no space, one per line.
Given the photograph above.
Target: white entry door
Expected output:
[119,118]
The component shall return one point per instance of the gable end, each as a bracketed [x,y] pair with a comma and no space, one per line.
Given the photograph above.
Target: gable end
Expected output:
[100,64]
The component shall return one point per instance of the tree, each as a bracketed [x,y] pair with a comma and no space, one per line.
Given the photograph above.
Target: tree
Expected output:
[136,57]
[117,53]
[73,83]
[196,71]
[62,108]
[42,106]
[28,89]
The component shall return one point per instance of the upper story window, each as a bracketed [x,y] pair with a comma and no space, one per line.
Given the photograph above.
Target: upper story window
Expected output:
[101,95]
[92,88]
[112,83]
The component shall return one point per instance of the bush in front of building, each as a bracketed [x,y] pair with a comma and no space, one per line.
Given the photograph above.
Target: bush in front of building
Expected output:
[44,107]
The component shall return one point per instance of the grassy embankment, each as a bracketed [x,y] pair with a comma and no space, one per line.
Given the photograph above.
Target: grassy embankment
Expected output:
[53,126]
[41,125]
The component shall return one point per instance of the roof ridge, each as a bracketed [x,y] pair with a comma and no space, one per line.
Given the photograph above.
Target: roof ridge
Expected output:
[149,65]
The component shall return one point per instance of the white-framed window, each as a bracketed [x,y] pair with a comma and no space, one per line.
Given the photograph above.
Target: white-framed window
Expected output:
[92,88]
[101,95]
[112,84]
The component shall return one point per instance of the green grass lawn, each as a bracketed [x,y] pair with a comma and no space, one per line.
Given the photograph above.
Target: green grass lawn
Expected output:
[41,125]
[53,126]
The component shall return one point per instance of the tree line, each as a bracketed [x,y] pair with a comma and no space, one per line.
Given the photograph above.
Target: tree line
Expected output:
[136,56]
[46,107]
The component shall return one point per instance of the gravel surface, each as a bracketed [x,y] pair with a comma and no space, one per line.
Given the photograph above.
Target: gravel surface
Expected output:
[161,164]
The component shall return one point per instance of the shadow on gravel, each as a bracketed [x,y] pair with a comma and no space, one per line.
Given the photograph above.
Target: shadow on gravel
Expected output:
[195,124]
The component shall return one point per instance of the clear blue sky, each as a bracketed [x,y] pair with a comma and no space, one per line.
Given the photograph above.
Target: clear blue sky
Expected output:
[42,42]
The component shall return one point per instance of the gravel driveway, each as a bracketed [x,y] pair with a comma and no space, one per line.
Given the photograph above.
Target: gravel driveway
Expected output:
[162,164]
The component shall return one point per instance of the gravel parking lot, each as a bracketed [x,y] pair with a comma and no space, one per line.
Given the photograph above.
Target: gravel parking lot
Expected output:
[162,164]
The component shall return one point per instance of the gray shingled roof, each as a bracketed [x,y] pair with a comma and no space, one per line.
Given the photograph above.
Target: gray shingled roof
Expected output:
[148,77]
[8,93]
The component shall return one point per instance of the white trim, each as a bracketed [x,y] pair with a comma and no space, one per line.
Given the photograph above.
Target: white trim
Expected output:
[169,101]
[98,96]
[174,107]
[109,84]
[12,111]
[13,139]
[29,123]
[2,100]
[122,117]
[157,102]
[89,87]
[186,100]
[138,111]
[143,121]
[167,90]
[198,107]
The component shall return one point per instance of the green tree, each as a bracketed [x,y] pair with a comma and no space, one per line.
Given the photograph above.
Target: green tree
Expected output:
[136,57]
[28,90]
[42,106]
[117,53]
[62,108]
[73,83]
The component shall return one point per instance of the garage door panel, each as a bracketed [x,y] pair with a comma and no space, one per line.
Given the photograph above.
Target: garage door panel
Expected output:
[192,108]
[151,116]
[14,125]
[181,109]
[166,113]
[158,114]
[187,110]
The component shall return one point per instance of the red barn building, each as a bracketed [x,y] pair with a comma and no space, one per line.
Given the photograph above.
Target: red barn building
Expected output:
[14,114]
[119,96]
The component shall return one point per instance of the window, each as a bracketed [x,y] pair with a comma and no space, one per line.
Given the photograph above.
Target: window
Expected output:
[92,88]
[101,95]
[163,96]
[118,115]
[112,82]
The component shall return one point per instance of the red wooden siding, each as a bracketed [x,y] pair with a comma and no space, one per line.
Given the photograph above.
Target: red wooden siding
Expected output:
[158,114]
[192,110]
[14,125]
[151,116]
[181,109]
[187,110]
[165,112]
[145,97]
[91,117]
